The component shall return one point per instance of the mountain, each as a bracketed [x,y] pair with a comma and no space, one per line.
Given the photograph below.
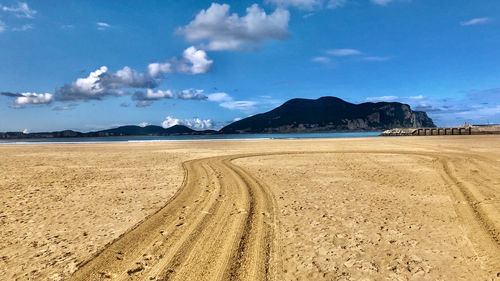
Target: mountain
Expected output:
[331,114]
[150,130]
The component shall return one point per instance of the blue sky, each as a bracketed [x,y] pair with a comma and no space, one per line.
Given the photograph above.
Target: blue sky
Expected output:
[88,65]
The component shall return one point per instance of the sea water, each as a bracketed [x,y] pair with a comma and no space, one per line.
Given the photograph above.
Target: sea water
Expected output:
[195,138]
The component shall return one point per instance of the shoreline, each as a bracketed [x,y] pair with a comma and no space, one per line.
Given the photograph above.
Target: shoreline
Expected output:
[127,139]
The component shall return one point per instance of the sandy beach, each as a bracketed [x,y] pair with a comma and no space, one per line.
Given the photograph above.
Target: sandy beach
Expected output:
[396,208]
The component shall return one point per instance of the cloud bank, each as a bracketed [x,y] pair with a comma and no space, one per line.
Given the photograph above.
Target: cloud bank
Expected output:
[193,123]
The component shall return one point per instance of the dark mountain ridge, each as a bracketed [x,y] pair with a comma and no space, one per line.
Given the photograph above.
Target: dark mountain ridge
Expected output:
[331,114]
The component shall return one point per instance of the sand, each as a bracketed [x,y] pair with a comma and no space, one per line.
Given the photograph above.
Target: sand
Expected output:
[413,208]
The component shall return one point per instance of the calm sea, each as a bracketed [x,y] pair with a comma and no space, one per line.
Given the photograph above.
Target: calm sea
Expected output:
[196,138]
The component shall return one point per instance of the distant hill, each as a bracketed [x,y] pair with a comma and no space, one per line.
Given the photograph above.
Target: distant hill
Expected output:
[129,130]
[150,130]
[331,114]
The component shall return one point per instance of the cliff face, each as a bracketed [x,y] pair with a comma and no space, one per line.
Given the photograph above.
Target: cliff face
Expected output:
[331,114]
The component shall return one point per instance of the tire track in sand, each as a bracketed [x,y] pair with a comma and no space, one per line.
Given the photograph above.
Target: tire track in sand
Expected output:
[219,225]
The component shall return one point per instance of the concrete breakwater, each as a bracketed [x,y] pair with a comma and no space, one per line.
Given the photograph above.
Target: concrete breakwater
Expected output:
[462,130]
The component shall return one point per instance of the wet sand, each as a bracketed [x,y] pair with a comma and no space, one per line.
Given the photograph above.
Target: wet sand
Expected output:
[339,209]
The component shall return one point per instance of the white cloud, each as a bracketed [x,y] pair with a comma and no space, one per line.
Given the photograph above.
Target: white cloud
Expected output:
[197,61]
[143,124]
[22,10]
[154,95]
[2,26]
[157,68]
[224,31]
[219,97]
[245,106]
[343,52]
[193,123]
[146,98]
[102,25]
[191,94]
[476,21]
[170,121]
[333,4]
[101,83]
[193,61]
[323,60]
[84,88]
[381,2]
[33,98]
[299,4]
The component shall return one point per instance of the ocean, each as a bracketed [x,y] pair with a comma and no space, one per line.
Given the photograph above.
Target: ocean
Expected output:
[132,139]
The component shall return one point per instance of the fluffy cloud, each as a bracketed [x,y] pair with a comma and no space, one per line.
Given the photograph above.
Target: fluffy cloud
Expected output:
[101,83]
[198,62]
[151,94]
[476,21]
[34,98]
[193,61]
[191,94]
[343,52]
[143,124]
[194,123]
[29,98]
[224,31]
[22,10]
[146,98]
[219,97]
[299,4]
